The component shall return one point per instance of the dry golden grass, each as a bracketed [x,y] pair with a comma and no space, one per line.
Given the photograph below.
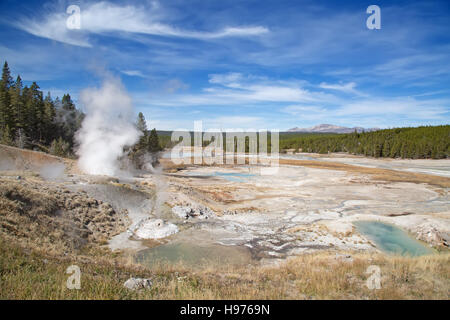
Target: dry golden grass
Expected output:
[36,214]
[26,159]
[33,274]
[23,159]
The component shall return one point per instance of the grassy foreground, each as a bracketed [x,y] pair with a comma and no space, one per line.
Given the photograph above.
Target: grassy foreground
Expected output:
[32,274]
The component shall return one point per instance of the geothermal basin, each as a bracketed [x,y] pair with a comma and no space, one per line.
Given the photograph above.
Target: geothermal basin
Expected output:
[231,214]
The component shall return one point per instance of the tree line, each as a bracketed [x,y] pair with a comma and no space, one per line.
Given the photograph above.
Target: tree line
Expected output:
[30,120]
[426,142]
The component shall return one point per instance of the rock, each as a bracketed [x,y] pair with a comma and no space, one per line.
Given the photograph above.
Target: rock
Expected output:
[229,212]
[138,283]
[183,212]
[197,211]
[154,229]
[429,233]
[205,212]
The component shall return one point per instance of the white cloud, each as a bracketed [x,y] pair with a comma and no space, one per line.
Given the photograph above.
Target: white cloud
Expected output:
[133,73]
[54,27]
[236,88]
[231,123]
[406,108]
[309,113]
[379,112]
[264,102]
[345,87]
[303,110]
[174,85]
[104,17]
[229,79]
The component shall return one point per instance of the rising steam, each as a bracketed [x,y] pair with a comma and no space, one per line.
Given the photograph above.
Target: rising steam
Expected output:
[107,128]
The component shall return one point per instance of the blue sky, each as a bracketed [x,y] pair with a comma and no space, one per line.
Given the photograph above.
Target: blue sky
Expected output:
[243,64]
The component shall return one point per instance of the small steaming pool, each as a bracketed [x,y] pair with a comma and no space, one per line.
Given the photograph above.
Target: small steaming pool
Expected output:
[233,176]
[230,176]
[391,239]
[194,255]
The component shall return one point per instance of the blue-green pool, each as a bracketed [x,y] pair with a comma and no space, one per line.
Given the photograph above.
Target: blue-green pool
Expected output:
[391,239]
[230,176]
[233,176]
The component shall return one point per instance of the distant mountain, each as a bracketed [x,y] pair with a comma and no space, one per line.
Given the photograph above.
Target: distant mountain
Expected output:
[329,128]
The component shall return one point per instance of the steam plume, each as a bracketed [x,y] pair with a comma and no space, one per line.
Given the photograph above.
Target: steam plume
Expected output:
[107,128]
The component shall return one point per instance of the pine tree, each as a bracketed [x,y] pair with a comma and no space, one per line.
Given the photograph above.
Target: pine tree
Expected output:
[142,145]
[17,104]
[7,80]
[67,103]
[68,118]
[35,113]
[21,140]
[3,107]
[141,124]
[59,147]
[153,141]
[27,114]
[5,137]
[49,117]
[6,116]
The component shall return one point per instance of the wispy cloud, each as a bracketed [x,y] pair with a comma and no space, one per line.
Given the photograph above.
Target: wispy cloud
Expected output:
[108,18]
[133,73]
[344,87]
[303,110]
[402,107]
[309,105]
[236,88]
[378,111]
[318,63]
[234,122]
[174,85]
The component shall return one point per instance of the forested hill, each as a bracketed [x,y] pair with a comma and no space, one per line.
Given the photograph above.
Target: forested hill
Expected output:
[30,120]
[428,142]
